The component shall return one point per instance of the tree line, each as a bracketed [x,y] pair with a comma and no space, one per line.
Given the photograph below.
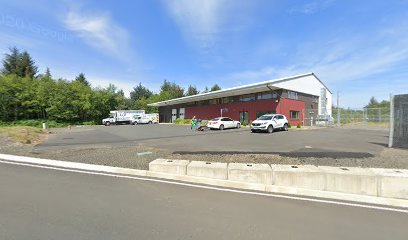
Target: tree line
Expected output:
[26,94]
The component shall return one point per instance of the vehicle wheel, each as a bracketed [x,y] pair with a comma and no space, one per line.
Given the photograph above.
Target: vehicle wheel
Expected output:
[285,127]
[252,130]
[221,127]
[270,129]
[238,125]
[107,123]
[150,122]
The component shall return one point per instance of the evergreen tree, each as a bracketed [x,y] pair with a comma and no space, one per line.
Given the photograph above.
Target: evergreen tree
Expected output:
[170,90]
[215,88]
[26,66]
[81,78]
[206,90]
[10,62]
[20,64]
[48,73]
[139,92]
[192,90]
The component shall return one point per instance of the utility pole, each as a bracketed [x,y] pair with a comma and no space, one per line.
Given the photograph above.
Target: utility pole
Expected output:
[338,110]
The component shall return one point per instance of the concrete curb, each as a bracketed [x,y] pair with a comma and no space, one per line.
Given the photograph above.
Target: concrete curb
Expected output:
[400,203]
[73,165]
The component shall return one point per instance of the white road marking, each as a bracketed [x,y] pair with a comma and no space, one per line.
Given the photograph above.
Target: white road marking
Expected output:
[216,188]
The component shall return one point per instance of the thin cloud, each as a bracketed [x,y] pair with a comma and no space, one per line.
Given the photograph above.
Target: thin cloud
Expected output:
[199,20]
[206,23]
[99,31]
[312,7]
[346,61]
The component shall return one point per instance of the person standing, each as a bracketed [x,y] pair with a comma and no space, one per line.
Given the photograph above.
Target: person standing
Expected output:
[193,123]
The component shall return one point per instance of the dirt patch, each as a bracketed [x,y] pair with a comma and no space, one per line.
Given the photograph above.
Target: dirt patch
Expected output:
[24,135]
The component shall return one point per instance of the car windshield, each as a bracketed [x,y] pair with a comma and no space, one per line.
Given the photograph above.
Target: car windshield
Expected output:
[265,118]
[215,119]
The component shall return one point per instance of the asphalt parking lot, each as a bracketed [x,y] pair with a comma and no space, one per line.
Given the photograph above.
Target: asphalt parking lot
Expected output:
[135,146]
[179,138]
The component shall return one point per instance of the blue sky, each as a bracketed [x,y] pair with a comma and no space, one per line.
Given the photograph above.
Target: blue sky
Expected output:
[359,48]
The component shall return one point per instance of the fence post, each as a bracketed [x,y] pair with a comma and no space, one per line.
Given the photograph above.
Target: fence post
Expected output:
[391,135]
[338,110]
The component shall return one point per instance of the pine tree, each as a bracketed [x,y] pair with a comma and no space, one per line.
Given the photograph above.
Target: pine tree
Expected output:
[10,62]
[20,64]
[26,66]
[139,92]
[81,78]
[48,73]
[205,89]
[192,90]
[215,88]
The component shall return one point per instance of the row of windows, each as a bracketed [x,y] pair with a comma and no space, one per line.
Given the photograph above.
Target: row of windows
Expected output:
[242,98]
[249,97]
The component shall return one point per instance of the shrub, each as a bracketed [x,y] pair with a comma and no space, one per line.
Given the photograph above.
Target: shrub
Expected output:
[289,125]
[244,123]
[182,121]
[298,125]
[89,123]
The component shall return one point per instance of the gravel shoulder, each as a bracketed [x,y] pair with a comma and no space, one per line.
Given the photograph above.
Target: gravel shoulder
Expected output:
[137,155]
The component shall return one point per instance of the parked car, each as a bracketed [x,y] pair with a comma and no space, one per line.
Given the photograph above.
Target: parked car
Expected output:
[222,123]
[269,123]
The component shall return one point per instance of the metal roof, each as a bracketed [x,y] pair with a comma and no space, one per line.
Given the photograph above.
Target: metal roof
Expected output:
[245,89]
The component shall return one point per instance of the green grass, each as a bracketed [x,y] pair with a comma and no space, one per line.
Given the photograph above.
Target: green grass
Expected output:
[21,134]
[38,123]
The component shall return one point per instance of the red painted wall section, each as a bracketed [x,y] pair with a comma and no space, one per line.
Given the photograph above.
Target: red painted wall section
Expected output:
[292,105]
[252,107]
[233,109]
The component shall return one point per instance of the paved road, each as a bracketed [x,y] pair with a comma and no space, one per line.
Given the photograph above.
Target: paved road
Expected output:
[181,138]
[49,204]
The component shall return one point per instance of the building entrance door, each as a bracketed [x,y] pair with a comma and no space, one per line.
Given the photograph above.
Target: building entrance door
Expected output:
[181,113]
[243,116]
[173,114]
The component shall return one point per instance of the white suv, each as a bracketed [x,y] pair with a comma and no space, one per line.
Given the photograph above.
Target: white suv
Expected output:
[269,123]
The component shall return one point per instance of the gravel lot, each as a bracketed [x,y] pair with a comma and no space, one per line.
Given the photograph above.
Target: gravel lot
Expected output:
[136,146]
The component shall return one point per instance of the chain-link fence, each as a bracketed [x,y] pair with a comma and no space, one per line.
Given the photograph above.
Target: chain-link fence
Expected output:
[312,118]
[369,117]
[364,117]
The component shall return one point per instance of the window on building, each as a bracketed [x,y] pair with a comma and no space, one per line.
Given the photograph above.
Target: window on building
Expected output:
[292,95]
[315,99]
[266,95]
[227,100]
[247,98]
[214,101]
[202,103]
[294,115]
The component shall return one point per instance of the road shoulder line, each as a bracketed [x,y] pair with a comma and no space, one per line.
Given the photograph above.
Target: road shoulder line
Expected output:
[389,204]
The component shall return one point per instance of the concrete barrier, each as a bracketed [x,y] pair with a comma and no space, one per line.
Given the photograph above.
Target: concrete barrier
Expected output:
[350,180]
[392,183]
[169,166]
[208,169]
[297,176]
[250,172]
